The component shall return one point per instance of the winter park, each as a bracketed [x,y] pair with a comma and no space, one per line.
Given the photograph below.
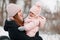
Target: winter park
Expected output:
[47,13]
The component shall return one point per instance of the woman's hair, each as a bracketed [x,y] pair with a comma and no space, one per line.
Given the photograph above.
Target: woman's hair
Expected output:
[17,20]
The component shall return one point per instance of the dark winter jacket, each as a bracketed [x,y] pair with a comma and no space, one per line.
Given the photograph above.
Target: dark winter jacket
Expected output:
[15,34]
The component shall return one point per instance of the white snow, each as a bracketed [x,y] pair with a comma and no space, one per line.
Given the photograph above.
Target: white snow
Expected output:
[2,32]
[50,37]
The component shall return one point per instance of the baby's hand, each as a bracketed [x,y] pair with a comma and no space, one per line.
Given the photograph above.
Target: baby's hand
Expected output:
[42,21]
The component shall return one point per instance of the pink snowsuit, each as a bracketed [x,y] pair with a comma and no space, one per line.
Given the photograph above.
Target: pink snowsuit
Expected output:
[32,24]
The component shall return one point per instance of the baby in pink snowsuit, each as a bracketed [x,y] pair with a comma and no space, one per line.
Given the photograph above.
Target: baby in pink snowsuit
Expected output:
[34,21]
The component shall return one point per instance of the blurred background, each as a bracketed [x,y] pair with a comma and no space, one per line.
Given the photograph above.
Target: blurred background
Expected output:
[50,10]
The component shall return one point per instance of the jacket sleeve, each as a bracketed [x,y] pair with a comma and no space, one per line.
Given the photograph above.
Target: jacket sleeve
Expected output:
[21,28]
[7,25]
[42,22]
[30,25]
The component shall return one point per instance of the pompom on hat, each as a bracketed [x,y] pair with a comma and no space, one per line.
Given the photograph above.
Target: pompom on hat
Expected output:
[36,9]
[12,9]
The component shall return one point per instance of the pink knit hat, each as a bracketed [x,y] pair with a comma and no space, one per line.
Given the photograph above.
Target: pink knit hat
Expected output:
[12,9]
[36,9]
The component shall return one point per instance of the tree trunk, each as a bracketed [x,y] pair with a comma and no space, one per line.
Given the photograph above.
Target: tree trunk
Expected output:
[1,18]
[12,1]
[27,4]
[1,13]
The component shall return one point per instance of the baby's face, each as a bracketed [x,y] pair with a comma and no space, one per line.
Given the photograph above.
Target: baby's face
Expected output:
[32,14]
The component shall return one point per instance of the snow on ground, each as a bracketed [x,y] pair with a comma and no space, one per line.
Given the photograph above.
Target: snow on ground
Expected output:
[2,32]
[50,36]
